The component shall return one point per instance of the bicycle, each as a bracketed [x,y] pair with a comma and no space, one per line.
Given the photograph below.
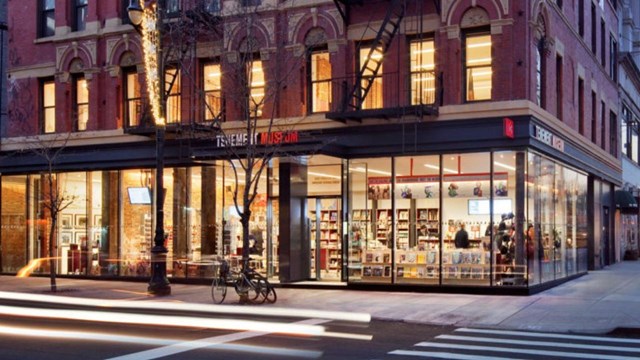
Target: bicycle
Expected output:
[248,283]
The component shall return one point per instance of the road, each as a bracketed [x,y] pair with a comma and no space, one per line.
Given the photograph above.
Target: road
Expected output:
[101,333]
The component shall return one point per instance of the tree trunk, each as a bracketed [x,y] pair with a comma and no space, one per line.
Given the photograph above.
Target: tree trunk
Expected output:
[52,254]
[244,220]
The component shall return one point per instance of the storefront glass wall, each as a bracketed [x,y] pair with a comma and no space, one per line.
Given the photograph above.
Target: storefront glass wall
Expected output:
[417,197]
[137,231]
[466,195]
[14,223]
[370,229]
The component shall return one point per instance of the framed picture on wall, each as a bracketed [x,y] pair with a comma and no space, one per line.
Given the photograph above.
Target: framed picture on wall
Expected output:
[65,237]
[81,237]
[81,221]
[66,221]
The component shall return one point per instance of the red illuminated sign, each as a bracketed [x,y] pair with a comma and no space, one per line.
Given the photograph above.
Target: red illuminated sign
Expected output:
[508,128]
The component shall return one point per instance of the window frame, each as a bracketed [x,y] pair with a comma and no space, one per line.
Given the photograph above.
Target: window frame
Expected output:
[312,82]
[613,58]
[80,14]
[205,109]
[128,101]
[377,80]
[559,85]
[78,106]
[465,67]
[422,74]
[44,121]
[581,127]
[594,30]
[603,42]
[255,108]
[173,98]
[594,116]
[172,8]
[603,122]
[613,138]
[581,18]
[45,15]
[541,74]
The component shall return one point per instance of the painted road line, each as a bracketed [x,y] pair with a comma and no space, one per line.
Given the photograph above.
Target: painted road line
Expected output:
[526,351]
[539,343]
[550,335]
[212,342]
[446,355]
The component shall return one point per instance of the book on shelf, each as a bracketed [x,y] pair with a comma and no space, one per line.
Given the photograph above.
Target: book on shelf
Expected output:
[387,271]
[367,271]
[377,271]
[400,271]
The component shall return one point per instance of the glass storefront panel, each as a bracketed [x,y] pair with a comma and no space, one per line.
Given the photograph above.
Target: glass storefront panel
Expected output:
[137,230]
[417,231]
[557,199]
[466,194]
[370,229]
[509,238]
[533,226]
[14,223]
[233,206]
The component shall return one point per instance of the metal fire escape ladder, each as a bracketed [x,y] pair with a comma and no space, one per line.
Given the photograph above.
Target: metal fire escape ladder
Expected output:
[372,64]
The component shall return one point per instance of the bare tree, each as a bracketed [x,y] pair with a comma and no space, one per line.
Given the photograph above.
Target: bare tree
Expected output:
[49,148]
[252,77]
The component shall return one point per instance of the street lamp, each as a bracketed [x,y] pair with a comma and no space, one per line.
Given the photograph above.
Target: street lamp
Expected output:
[148,21]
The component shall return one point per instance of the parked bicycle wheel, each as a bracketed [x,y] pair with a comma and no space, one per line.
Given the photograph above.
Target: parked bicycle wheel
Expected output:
[267,291]
[218,290]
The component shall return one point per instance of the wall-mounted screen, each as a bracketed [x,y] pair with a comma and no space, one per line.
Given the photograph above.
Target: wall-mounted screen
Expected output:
[139,195]
[481,206]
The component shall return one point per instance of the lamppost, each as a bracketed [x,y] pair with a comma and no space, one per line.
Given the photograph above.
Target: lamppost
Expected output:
[148,21]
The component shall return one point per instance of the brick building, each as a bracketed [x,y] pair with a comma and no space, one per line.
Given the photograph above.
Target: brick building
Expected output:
[412,119]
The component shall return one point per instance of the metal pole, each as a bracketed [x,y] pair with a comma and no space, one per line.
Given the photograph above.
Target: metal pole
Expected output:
[159,284]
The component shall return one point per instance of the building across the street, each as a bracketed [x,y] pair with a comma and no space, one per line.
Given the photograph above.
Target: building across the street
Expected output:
[463,145]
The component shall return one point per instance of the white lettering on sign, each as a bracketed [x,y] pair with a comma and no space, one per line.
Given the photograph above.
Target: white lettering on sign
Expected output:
[548,138]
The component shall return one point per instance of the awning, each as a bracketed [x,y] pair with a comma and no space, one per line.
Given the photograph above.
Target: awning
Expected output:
[625,202]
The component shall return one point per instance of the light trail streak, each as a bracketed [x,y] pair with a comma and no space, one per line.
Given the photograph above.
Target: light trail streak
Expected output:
[204,308]
[140,340]
[155,320]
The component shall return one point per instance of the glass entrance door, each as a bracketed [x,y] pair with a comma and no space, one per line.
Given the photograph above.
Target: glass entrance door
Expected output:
[325,237]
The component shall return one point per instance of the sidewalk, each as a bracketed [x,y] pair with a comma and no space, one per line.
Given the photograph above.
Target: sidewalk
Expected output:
[595,303]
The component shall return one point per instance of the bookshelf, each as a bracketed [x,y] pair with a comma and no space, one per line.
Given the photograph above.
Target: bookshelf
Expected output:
[402,228]
[326,225]
[383,225]
[429,218]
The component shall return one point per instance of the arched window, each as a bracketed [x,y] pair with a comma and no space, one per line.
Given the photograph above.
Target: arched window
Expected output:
[478,59]
[541,47]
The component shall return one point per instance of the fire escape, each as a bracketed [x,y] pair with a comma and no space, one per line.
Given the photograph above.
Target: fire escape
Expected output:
[349,105]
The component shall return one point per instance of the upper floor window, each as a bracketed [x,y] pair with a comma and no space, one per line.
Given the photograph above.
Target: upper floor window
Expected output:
[559,87]
[581,106]
[172,7]
[124,13]
[47,18]
[373,98]
[559,2]
[212,6]
[256,85]
[172,88]
[81,103]
[80,12]
[319,75]
[540,73]
[212,87]
[132,98]
[603,41]
[478,72]
[613,134]
[624,136]
[422,69]
[48,111]
[581,17]
[594,30]
[613,58]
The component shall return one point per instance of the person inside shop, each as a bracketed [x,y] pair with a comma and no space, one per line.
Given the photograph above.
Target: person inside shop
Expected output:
[462,238]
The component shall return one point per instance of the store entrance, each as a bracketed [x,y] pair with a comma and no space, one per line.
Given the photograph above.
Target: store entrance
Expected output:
[324,235]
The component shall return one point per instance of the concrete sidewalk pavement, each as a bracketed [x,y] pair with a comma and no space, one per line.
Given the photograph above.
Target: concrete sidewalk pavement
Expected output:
[598,302]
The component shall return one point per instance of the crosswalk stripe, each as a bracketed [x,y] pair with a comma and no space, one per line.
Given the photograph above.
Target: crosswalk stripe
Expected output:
[526,351]
[447,355]
[539,343]
[549,335]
